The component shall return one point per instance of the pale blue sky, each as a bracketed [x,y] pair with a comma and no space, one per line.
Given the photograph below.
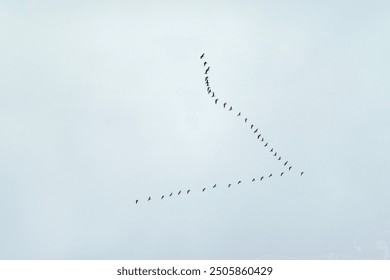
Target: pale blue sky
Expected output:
[103,102]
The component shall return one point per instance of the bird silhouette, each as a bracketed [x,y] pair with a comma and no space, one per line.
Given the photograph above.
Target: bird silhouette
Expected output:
[208,88]
[213,94]
[289,168]
[229,185]
[136,201]
[275,154]
[262,139]
[179,193]
[207,70]
[281,174]
[149,198]
[203,189]
[214,186]
[239,114]
[272,150]
[188,191]
[285,163]
[253,179]
[279,158]
[224,104]
[258,136]
[302,173]
[216,100]
[171,194]
[251,126]
[262,177]
[231,108]
[202,56]
[270,175]
[162,197]
[266,144]
[206,78]
[204,64]
[256,130]
[246,119]
[239,182]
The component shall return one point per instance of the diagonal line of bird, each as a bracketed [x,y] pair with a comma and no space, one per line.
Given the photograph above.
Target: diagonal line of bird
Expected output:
[256,132]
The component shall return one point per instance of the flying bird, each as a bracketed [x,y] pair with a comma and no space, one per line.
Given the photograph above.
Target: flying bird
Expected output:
[251,126]
[162,197]
[208,88]
[179,193]
[272,150]
[239,114]
[214,186]
[136,201]
[188,191]
[202,56]
[270,175]
[213,94]
[149,198]
[285,163]
[262,139]
[229,185]
[203,189]
[302,173]
[279,158]
[289,168]
[216,100]
[253,179]
[207,78]
[207,70]
[281,174]
[239,182]
[275,154]
[171,194]
[262,177]
[256,130]
[231,108]
[246,119]
[224,104]
[266,144]
[258,136]
[204,64]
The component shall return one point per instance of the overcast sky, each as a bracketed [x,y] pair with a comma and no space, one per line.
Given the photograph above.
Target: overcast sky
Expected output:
[104,102]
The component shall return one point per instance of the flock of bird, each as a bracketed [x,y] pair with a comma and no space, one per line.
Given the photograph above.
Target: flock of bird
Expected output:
[258,135]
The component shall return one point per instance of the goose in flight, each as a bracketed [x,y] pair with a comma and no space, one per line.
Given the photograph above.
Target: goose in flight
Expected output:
[207,78]
[239,182]
[179,192]
[162,197]
[203,189]
[279,158]
[285,163]
[229,185]
[289,168]
[214,186]
[253,179]
[207,70]
[231,108]
[302,173]
[251,126]
[224,104]
[188,191]
[208,88]
[272,150]
[246,119]
[275,154]
[149,198]
[202,56]
[281,174]
[204,64]
[258,136]
[216,100]
[266,144]
[256,130]
[270,175]
[239,114]
[171,194]
[262,177]
[213,94]
[136,201]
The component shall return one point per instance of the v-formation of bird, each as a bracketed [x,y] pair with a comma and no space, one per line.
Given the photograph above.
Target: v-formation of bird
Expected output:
[209,91]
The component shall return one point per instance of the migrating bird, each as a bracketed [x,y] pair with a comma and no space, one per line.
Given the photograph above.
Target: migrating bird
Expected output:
[203,189]
[208,88]
[289,168]
[171,194]
[302,173]
[279,158]
[262,177]
[216,100]
[251,126]
[266,144]
[224,104]
[162,197]
[207,70]
[214,186]
[239,182]
[204,64]
[202,56]
[253,179]
[285,163]
[275,154]
[136,201]
[239,114]
[272,150]
[262,139]
[246,119]
[207,78]
[256,130]
[213,94]
[188,191]
[281,174]
[270,175]
[229,185]
[179,192]
[258,136]
[149,198]
[231,108]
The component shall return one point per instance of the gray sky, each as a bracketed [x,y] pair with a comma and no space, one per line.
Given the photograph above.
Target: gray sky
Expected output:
[104,102]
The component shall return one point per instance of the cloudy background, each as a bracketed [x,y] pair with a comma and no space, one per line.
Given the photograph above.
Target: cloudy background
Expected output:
[103,102]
